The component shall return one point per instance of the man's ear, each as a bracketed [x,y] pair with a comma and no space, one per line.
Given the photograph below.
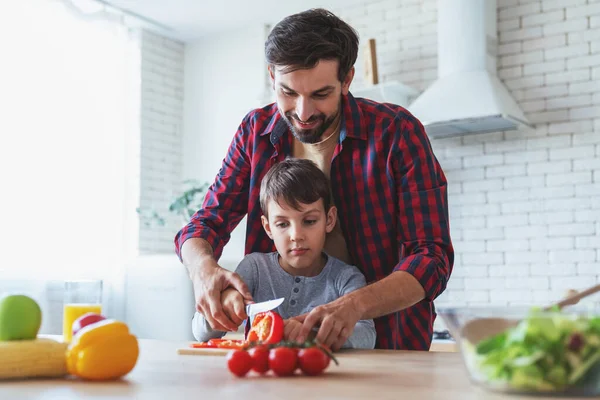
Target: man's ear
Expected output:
[347,81]
[266,226]
[272,75]
[331,219]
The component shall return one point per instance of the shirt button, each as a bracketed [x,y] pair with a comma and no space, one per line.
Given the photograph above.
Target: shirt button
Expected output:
[296,290]
[298,280]
[293,302]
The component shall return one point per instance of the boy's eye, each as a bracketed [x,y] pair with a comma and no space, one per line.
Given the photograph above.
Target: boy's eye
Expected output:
[281,224]
[310,221]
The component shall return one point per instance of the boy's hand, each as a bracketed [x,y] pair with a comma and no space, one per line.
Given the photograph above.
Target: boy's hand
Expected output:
[291,329]
[234,305]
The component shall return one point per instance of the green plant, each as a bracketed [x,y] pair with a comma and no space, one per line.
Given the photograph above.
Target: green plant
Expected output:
[184,205]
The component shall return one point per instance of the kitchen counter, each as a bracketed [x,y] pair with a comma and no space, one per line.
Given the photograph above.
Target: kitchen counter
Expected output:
[362,374]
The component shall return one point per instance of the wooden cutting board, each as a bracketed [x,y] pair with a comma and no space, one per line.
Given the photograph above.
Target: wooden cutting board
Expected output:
[439,346]
[188,351]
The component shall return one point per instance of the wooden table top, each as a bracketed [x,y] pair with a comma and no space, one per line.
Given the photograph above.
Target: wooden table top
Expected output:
[362,374]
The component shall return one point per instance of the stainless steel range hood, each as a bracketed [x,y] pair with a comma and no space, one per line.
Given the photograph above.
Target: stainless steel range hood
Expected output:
[467,97]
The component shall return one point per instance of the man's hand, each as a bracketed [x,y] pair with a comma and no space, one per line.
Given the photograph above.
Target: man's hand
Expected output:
[336,319]
[234,305]
[209,281]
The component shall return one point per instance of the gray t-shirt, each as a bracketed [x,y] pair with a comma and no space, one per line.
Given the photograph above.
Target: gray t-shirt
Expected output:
[266,280]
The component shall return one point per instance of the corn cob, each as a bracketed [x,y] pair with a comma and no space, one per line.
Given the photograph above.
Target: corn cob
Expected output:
[32,358]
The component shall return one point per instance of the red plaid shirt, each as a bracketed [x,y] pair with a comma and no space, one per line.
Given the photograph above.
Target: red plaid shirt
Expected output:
[388,187]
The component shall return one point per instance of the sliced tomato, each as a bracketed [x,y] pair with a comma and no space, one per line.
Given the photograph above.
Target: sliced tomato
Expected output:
[220,344]
[231,344]
[216,342]
[267,328]
[202,345]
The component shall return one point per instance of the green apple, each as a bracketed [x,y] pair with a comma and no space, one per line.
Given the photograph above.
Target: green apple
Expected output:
[20,317]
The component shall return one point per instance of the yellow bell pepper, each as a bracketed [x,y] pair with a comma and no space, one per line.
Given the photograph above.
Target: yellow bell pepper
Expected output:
[102,351]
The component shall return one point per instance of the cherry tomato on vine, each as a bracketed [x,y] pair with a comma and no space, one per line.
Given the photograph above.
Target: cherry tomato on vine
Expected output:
[313,360]
[283,361]
[239,362]
[260,359]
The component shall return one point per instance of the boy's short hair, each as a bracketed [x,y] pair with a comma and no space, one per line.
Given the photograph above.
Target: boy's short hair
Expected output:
[294,181]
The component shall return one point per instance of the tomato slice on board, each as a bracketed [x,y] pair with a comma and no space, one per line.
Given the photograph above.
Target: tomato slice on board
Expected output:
[202,345]
[220,344]
[216,342]
[231,344]
[267,328]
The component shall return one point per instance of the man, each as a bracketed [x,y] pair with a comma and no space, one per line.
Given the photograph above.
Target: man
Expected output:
[387,185]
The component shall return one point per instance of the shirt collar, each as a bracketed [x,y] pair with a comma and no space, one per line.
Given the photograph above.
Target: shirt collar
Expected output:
[353,122]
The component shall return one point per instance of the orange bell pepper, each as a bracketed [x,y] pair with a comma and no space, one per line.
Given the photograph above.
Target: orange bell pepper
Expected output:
[102,351]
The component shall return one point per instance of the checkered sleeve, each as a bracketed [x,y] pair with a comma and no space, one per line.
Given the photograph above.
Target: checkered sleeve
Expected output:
[424,230]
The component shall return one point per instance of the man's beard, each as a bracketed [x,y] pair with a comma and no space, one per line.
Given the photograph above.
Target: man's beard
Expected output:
[310,136]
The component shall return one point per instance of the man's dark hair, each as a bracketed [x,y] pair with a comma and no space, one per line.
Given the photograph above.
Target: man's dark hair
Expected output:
[294,181]
[301,40]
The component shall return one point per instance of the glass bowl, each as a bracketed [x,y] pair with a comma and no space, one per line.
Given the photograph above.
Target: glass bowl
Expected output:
[528,351]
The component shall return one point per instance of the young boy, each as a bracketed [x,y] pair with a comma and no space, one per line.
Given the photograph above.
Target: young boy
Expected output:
[297,215]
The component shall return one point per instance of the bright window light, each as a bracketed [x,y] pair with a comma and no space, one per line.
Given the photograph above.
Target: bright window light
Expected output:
[69,143]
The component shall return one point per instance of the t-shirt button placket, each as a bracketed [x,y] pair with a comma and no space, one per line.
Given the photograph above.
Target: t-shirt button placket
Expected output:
[295,290]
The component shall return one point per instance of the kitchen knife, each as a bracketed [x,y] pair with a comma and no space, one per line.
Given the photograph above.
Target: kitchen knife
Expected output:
[255,308]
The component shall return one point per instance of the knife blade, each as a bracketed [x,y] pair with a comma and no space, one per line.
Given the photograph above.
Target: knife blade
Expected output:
[255,308]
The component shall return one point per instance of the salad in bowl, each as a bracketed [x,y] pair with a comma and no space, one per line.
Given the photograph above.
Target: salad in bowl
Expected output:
[549,352]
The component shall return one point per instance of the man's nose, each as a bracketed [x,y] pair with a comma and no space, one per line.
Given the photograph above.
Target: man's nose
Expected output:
[304,109]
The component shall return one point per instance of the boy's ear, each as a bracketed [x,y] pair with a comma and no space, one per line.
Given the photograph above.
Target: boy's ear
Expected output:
[331,219]
[266,226]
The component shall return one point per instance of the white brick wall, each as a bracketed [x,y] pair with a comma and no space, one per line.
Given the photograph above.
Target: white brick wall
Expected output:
[406,37]
[162,61]
[524,206]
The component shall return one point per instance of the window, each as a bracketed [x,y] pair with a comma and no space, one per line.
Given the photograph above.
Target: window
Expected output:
[69,147]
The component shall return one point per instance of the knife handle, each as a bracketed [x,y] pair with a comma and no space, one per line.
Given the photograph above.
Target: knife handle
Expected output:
[247,328]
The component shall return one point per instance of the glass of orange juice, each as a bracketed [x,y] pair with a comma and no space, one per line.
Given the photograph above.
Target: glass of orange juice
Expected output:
[81,297]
